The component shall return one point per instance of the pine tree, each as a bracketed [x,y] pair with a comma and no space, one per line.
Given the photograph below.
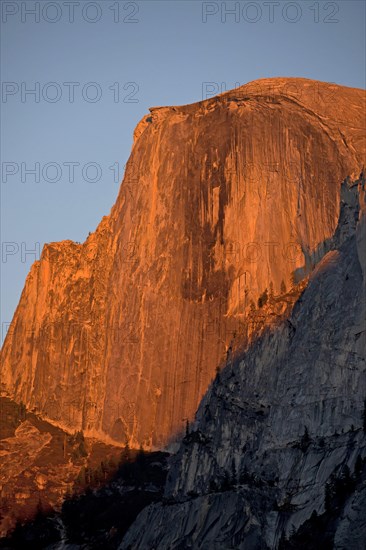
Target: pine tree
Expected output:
[305,439]
[218,373]
[263,298]
[140,467]
[187,428]
[82,449]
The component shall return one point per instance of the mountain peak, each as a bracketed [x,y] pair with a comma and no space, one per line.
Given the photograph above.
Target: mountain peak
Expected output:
[223,202]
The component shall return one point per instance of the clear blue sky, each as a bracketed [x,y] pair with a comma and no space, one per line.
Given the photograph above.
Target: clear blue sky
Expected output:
[152,53]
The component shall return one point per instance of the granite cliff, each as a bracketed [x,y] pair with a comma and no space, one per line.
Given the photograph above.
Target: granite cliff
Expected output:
[276,458]
[120,336]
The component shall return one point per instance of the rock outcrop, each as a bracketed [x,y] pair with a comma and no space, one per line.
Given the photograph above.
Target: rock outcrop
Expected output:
[281,433]
[120,336]
[42,466]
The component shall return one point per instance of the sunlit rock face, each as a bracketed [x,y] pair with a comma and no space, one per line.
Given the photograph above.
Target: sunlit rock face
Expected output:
[120,336]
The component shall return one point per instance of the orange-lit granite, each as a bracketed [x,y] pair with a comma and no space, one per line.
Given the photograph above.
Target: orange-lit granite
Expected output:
[120,336]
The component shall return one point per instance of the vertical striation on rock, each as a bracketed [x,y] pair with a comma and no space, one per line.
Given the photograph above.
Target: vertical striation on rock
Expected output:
[120,336]
[280,434]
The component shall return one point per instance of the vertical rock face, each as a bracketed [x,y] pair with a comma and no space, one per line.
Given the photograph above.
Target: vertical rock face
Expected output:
[281,432]
[120,336]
